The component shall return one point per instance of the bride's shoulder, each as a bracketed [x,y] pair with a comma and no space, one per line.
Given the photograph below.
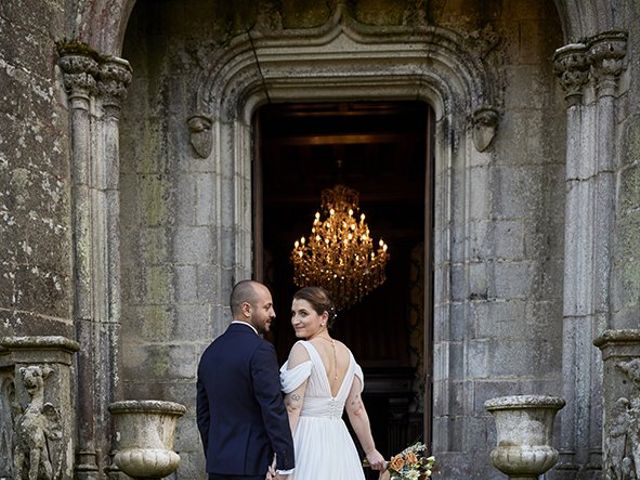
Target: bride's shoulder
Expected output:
[298,354]
[343,347]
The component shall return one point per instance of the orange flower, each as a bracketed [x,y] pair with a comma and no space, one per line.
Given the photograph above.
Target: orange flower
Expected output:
[396,463]
[411,458]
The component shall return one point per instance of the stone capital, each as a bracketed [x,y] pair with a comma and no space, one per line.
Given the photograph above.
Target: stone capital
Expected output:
[606,53]
[114,76]
[80,69]
[571,65]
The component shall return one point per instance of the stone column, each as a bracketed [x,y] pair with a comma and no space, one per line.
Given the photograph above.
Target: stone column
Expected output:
[621,403]
[113,78]
[96,85]
[606,54]
[44,382]
[572,67]
[80,67]
[589,215]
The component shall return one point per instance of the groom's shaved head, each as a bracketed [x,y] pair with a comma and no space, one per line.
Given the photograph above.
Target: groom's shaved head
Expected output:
[244,291]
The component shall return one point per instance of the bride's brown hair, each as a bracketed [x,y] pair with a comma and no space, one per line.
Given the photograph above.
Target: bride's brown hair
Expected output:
[320,301]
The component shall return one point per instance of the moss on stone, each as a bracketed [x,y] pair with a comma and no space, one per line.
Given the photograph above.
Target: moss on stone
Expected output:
[158,285]
[380,12]
[155,191]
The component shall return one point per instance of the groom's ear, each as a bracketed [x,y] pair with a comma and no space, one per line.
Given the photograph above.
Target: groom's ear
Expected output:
[246,309]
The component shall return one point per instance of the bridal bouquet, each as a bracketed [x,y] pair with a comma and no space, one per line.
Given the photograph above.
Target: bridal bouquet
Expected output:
[410,464]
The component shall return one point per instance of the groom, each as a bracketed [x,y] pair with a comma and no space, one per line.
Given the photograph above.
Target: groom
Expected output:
[240,412]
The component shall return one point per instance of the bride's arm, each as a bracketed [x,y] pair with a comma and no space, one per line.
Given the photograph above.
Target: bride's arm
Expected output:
[360,423]
[294,400]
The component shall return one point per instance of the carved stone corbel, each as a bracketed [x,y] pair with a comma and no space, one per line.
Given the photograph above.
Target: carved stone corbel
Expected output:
[606,53]
[485,125]
[571,65]
[201,137]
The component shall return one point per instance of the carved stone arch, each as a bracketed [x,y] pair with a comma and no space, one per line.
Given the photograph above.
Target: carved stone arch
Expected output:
[587,18]
[101,24]
[342,60]
[349,52]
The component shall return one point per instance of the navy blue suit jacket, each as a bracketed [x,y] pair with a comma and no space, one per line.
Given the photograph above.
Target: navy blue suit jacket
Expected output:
[240,410]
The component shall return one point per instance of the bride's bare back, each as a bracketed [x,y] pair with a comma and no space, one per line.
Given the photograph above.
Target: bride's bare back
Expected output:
[336,358]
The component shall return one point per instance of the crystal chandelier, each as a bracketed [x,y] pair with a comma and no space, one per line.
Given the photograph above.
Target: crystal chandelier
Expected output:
[339,254]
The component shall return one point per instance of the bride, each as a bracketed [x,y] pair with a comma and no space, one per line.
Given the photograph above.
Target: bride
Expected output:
[320,379]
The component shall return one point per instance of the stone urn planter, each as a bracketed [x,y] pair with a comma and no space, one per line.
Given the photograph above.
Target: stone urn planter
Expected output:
[144,431]
[524,426]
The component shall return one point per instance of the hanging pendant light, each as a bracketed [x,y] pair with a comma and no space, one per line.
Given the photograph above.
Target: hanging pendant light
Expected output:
[339,255]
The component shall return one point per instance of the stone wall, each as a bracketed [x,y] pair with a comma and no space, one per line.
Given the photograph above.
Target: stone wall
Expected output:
[625,301]
[35,248]
[499,326]
[499,234]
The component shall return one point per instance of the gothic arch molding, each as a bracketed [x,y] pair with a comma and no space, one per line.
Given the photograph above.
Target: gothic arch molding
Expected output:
[347,53]
[102,23]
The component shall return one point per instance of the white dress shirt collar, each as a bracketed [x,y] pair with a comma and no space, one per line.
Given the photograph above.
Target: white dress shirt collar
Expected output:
[247,324]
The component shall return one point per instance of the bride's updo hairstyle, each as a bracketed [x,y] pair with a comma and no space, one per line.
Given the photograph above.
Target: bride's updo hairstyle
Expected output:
[319,300]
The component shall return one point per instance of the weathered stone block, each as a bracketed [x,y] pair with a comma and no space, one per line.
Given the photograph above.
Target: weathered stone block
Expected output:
[192,322]
[186,283]
[513,279]
[192,245]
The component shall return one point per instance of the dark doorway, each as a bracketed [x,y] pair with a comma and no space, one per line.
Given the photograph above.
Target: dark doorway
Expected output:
[381,149]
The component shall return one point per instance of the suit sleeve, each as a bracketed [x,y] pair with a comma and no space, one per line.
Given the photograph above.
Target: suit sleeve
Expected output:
[266,383]
[203,415]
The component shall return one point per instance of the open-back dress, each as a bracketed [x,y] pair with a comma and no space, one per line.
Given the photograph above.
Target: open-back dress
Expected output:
[323,446]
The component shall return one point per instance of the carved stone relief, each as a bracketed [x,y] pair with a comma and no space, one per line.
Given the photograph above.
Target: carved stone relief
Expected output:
[415,14]
[622,434]
[38,452]
[7,409]
[269,16]
[485,125]
[200,134]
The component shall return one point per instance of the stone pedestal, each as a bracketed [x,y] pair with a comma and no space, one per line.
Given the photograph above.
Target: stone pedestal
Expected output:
[41,403]
[524,426]
[621,403]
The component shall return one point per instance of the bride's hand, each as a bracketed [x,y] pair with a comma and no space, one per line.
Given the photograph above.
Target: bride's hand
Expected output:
[271,471]
[376,460]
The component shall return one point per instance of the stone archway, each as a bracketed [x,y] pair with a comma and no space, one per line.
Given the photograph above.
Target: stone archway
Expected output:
[432,64]
[343,60]
[340,60]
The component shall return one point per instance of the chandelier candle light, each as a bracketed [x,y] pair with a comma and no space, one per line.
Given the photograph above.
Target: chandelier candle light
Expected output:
[339,254]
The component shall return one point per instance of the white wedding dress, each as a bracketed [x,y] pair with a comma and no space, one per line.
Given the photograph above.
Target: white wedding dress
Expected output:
[324,449]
